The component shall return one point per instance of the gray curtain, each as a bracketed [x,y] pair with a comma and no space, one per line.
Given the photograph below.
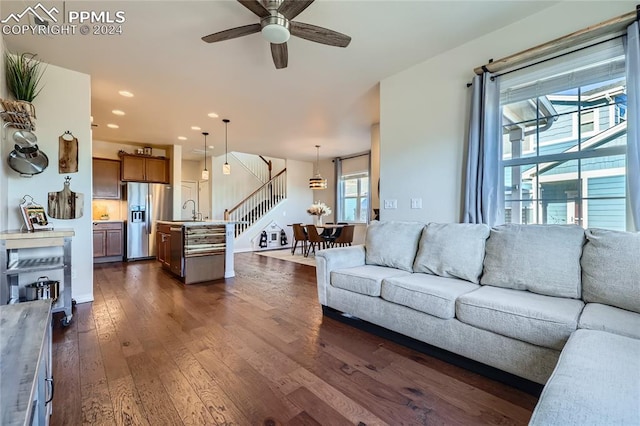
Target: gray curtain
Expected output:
[633,121]
[484,194]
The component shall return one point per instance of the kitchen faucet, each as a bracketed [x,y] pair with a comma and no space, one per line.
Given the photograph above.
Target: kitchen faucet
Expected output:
[193,212]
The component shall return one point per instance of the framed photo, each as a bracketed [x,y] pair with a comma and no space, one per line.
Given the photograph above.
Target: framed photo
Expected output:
[34,217]
[147,150]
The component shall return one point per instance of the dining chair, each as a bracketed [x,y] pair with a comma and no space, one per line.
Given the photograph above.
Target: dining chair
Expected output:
[338,231]
[299,234]
[326,232]
[315,239]
[346,236]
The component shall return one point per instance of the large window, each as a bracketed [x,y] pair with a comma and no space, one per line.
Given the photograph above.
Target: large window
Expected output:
[564,143]
[353,189]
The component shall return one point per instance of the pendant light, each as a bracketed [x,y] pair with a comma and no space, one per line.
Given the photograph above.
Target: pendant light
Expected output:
[205,172]
[317,181]
[226,168]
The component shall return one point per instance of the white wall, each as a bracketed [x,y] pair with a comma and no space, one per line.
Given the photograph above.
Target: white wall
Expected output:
[424,111]
[375,167]
[64,104]
[291,210]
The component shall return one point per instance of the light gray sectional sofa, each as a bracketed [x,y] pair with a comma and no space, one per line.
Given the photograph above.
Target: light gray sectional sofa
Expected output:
[515,297]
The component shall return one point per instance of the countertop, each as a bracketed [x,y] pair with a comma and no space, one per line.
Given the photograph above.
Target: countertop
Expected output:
[27,235]
[196,223]
[107,221]
[24,327]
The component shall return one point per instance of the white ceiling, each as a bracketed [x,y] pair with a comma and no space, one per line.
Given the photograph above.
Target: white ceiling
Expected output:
[327,95]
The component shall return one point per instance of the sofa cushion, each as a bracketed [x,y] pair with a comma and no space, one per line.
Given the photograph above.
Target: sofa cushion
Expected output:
[452,250]
[596,382]
[365,279]
[607,318]
[543,259]
[392,244]
[426,293]
[611,268]
[541,320]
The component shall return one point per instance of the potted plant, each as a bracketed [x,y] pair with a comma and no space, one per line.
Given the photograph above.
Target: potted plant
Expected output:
[23,75]
[318,210]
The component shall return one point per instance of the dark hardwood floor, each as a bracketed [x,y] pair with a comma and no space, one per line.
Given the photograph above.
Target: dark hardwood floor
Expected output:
[250,350]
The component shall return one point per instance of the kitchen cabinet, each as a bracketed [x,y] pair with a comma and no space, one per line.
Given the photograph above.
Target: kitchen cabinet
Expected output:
[108,242]
[26,388]
[20,253]
[163,241]
[138,168]
[106,179]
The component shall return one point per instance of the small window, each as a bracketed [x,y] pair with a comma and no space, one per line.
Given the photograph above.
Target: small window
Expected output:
[352,192]
[587,121]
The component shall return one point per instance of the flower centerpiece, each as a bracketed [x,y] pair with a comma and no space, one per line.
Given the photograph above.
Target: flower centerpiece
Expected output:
[318,210]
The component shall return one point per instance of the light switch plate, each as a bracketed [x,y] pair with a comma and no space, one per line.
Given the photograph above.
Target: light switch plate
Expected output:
[390,204]
[416,203]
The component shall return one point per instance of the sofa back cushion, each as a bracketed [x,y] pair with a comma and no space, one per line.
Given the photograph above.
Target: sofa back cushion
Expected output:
[453,250]
[611,268]
[392,244]
[543,259]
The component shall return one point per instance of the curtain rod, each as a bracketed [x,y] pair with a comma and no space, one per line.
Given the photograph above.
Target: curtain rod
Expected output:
[554,46]
[362,154]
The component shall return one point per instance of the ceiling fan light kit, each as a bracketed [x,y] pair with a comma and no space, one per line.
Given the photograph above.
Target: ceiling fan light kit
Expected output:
[276,26]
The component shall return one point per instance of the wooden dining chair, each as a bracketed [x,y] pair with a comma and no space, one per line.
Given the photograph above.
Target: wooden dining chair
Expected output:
[315,239]
[346,236]
[299,235]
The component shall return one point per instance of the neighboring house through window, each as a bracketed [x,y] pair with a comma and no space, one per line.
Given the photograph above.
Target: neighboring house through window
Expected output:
[564,140]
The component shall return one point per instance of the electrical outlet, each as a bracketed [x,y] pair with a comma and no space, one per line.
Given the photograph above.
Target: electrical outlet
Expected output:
[390,204]
[416,203]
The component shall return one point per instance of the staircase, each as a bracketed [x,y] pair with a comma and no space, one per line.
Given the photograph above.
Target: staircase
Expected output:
[258,203]
[257,165]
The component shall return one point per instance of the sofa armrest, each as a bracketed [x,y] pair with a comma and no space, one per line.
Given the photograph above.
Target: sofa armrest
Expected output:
[332,259]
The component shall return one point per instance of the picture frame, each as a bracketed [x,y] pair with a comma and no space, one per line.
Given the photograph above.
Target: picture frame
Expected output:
[34,216]
[147,150]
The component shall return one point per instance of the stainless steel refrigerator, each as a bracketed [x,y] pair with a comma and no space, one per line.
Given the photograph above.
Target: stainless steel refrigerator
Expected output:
[146,204]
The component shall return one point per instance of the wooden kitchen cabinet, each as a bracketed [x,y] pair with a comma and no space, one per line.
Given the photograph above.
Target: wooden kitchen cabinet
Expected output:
[163,241]
[108,242]
[138,168]
[106,179]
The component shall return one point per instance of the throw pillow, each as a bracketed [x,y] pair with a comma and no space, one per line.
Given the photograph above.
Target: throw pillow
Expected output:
[392,244]
[452,250]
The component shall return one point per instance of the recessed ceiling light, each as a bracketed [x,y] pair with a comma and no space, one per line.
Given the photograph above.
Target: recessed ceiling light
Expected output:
[213,115]
[211,146]
[182,138]
[126,94]
[91,118]
[195,128]
[113,126]
[117,112]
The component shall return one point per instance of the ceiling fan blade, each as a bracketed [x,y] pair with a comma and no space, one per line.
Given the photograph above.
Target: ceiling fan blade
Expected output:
[319,34]
[232,33]
[280,55]
[256,7]
[292,8]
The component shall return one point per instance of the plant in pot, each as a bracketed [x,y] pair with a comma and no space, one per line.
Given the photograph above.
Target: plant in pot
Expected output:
[23,75]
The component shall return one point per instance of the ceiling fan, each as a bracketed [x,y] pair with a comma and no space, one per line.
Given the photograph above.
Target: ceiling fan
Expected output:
[276,26]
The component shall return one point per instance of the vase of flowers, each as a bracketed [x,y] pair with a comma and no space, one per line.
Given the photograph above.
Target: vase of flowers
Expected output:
[318,210]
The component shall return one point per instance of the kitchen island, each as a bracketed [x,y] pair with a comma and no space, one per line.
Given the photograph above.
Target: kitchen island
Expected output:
[196,251]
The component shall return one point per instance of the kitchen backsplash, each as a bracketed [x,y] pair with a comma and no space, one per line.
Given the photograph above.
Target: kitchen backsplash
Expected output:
[108,210]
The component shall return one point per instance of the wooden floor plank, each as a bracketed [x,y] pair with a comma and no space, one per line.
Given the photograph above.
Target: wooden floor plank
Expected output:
[250,350]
